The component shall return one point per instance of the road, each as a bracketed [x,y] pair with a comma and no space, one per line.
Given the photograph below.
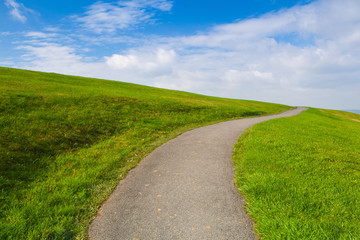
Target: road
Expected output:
[182,190]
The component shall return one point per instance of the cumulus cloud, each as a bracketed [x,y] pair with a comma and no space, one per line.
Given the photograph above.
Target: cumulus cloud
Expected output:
[17,10]
[110,17]
[306,47]
[157,62]
[52,57]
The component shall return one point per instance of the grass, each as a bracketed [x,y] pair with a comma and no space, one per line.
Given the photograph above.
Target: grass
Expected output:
[66,141]
[301,175]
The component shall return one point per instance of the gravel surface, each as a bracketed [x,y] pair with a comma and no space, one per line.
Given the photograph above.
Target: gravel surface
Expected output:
[182,190]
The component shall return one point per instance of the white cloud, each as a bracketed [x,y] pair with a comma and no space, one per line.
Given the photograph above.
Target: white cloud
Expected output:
[122,61]
[48,54]
[151,63]
[52,57]
[39,35]
[248,77]
[110,17]
[17,10]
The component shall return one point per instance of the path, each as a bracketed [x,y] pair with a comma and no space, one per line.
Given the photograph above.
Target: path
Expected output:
[182,190]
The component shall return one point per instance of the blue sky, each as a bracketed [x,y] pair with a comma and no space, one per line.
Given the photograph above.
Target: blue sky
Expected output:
[286,51]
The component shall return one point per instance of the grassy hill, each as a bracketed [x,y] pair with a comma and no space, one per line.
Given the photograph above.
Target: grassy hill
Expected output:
[66,141]
[301,175]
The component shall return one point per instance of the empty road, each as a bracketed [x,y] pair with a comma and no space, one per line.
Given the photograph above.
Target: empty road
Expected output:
[182,190]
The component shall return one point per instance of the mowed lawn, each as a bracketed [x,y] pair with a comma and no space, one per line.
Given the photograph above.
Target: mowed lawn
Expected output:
[66,141]
[301,175]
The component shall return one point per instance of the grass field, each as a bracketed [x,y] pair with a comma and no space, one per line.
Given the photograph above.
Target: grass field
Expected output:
[66,141]
[301,175]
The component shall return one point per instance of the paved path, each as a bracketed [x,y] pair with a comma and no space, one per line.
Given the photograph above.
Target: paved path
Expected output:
[182,190]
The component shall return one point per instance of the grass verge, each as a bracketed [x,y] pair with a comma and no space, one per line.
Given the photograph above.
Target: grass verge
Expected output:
[301,175]
[66,141]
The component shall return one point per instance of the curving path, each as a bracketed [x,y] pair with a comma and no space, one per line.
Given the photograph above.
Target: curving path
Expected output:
[182,190]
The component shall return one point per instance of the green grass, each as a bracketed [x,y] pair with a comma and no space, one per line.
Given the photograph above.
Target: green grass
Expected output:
[301,175]
[66,141]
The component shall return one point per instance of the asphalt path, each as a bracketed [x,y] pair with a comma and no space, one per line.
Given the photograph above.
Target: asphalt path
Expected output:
[182,190]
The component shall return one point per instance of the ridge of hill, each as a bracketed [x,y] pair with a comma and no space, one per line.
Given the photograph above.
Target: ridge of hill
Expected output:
[357,111]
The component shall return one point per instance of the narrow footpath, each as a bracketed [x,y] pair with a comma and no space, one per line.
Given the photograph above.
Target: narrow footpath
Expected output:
[182,190]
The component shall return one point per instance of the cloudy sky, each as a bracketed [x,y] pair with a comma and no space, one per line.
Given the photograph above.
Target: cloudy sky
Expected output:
[285,51]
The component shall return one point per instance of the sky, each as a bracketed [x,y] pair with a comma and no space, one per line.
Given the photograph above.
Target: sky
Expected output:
[294,52]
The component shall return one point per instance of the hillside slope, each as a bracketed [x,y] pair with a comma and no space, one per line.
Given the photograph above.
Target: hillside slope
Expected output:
[66,141]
